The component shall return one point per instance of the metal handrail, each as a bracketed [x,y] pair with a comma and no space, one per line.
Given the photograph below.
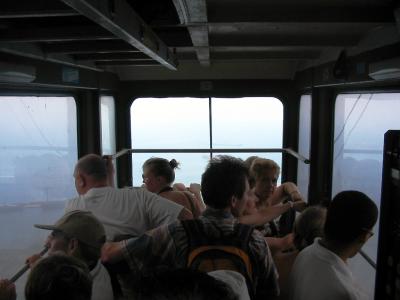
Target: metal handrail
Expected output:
[368,259]
[220,150]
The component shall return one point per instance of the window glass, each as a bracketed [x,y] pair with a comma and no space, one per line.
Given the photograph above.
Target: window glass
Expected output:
[303,170]
[183,123]
[107,124]
[361,121]
[170,123]
[38,153]
[251,122]
[107,111]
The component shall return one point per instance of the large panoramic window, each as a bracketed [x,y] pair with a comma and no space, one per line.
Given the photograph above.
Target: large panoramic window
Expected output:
[38,153]
[361,121]
[303,170]
[190,129]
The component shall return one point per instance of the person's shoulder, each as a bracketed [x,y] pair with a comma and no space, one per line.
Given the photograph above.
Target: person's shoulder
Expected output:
[130,192]
[72,203]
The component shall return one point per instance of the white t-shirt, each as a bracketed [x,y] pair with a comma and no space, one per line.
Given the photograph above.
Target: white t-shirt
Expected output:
[101,287]
[128,211]
[318,273]
[234,280]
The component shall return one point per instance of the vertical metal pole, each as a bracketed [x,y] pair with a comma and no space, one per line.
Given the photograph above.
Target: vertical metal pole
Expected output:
[210,125]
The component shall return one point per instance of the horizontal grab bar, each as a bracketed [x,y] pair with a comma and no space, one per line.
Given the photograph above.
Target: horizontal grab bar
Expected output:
[248,150]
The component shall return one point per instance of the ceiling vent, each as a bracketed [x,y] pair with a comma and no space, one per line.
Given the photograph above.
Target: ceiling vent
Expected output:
[387,69]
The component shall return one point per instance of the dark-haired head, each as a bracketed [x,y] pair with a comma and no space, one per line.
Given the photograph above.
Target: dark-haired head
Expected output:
[225,177]
[59,277]
[161,167]
[309,225]
[350,214]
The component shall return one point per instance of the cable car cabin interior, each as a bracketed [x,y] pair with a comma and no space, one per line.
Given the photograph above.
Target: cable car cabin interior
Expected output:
[191,79]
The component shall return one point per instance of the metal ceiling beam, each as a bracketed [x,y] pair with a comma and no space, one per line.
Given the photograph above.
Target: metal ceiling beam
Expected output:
[35,52]
[119,18]
[195,13]
[112,56]
[37,14]
[11,9]
[138,63]
[55,34]
[266,14]
[244,54]
[303,40]
[88,47]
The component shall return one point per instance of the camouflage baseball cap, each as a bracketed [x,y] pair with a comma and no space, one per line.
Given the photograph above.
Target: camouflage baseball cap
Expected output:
[79,224]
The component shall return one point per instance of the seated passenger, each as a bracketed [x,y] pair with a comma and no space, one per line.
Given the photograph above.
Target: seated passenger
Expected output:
[123,212]
[308,226]
[182,284]
[59,277]
[225,189]
[320,271]
[158,176]
[271,201]
[81,235]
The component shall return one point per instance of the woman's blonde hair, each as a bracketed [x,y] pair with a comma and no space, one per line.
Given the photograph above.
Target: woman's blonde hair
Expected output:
[260,166]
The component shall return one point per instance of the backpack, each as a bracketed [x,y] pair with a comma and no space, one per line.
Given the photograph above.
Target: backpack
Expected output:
[220,251]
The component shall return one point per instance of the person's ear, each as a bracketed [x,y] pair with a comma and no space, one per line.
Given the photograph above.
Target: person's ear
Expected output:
[234,202]
[81,180]
[73,246]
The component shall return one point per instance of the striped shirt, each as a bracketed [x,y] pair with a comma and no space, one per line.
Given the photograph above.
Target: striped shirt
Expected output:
[167,246]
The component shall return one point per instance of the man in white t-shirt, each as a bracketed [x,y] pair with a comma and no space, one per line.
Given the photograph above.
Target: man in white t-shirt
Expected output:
[126,212]
[320,270]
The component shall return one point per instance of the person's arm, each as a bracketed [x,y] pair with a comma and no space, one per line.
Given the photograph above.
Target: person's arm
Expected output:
[269,213]
[33,260]
[195,188]
[152,249]
[284,191]
[112,252]
[7,290]
[265,214]
[185,214]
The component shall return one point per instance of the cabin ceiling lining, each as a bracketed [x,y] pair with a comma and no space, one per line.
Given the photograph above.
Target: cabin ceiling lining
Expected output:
[151,34]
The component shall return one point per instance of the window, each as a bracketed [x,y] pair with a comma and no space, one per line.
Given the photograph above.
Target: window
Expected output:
[107,124]
[361,121]
[107,112]
[38,153]
[197,125]
[303,170]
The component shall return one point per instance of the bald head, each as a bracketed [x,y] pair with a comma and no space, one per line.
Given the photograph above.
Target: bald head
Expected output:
[90,171]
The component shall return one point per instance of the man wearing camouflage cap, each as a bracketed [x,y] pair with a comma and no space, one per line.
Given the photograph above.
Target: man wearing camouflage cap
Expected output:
[81,235]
